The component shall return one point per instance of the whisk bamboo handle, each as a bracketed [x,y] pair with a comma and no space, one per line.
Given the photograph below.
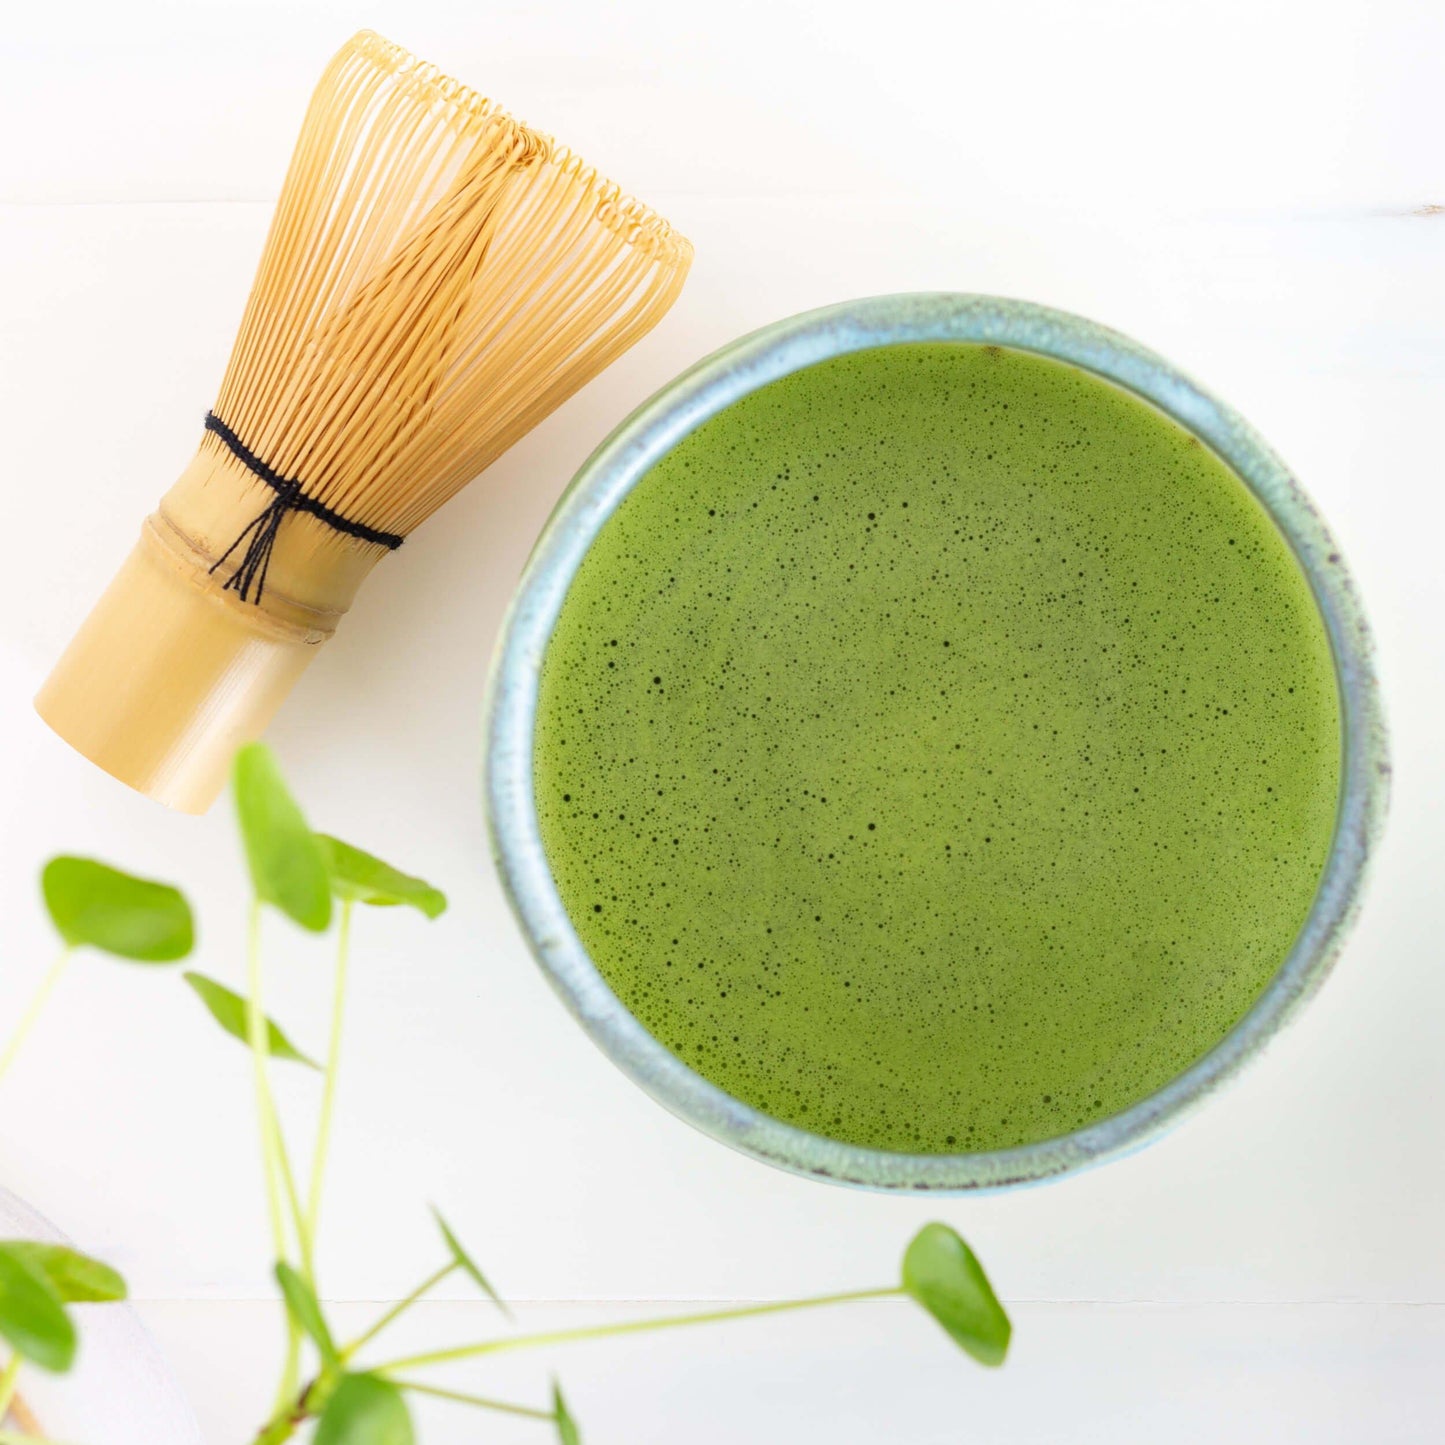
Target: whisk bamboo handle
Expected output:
[171,672]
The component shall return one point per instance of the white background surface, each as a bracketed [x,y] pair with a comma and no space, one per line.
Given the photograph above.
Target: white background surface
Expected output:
[1243,185]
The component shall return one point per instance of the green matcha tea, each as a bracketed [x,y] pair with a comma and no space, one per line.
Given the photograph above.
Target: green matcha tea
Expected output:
[938,749]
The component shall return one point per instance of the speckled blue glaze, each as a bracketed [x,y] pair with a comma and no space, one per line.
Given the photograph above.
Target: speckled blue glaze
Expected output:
[714,384]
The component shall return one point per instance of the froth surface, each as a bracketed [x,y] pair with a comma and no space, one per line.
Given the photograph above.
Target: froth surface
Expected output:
[938,749]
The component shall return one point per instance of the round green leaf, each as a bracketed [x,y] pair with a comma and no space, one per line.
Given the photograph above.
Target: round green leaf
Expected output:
[359,877]
[943,1274]
[365,1410]
[75,1277]
[229,1010]
[303,1307]
[288,869]
[567,1431]
[465,1262]
[32,1317]
[100,907]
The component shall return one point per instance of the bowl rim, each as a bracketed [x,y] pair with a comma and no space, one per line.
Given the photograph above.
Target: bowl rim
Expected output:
[707,388]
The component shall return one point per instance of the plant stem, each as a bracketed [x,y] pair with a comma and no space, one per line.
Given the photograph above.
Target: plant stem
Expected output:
[271,1148]
[256,1037]
[632,1327]
[482,1402]
[293,1196]
[7,1385]
[290,1369]
[33,1011]
[283,1424]
[333,1063]
[430,1282]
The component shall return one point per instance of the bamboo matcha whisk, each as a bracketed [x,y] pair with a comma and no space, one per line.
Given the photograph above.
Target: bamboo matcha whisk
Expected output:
[437,278]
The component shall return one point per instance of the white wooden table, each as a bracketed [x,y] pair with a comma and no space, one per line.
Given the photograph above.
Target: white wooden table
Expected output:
[1247,186]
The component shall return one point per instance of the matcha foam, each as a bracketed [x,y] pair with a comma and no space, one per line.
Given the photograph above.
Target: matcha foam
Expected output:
[938,749]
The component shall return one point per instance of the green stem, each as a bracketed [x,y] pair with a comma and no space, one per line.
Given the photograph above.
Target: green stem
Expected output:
[256,1037]
[7,1385]
[482,1402]
[293,1198]
[271,1148]
[290,1368]
[308,1266]
[633,1327]
[283,1424]
[429,1283]
[33,1010]
[333,1064]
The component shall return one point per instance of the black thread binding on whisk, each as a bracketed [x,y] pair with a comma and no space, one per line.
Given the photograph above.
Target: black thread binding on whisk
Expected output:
[256,560]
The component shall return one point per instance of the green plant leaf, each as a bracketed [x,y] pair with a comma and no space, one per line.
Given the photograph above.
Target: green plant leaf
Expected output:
[567,1431]
[303,1307]
[100,907]
[943,1274]
[468,1263]
[360,878]
[365,1410]
[288,868]
[229,1010]
[32,1316]
[76,1278]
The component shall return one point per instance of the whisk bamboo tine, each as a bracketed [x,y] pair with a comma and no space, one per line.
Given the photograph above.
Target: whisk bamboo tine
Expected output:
[436,279]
